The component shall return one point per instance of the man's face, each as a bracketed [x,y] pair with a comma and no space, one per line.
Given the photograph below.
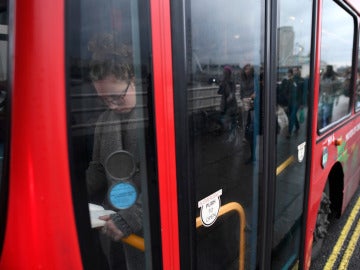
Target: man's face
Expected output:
[118,95]
[296,72]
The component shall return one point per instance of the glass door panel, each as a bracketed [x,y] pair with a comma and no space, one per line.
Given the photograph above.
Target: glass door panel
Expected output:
[111,133]
[293,56]
[224,82]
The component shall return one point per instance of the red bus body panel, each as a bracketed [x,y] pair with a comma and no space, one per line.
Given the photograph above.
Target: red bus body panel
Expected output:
[165,131]
[314,194]
[40,229]
[346,154]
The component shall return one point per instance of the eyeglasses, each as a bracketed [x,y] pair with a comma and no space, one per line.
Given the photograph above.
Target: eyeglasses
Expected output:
[123,94]
[115,98]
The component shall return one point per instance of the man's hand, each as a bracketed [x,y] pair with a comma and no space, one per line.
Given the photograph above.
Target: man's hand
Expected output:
[110,229]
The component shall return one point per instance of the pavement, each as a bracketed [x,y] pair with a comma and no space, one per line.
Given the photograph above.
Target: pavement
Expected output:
[341,248]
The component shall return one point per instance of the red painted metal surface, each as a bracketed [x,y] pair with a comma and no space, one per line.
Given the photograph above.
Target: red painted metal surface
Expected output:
[41,232]
[165,136]
[319,175]
[314,194]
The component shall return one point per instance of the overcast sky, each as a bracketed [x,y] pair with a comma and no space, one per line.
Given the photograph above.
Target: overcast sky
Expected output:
[229,31]
[233,32]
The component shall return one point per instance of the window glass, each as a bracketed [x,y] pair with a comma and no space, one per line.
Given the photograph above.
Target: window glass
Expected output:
[294,50]
[4,114]
[335,64]
[3,88]
[111,129]
[225,57]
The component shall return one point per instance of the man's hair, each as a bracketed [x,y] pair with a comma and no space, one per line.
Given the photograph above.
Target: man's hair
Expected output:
[110,57]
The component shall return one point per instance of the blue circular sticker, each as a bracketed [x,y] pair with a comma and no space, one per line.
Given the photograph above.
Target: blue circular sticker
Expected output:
[122,195]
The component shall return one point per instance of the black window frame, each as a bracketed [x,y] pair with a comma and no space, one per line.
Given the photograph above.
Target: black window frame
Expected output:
[340,122]
[9,6]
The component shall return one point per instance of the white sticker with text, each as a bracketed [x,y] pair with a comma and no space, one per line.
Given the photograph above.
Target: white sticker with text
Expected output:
[210,207]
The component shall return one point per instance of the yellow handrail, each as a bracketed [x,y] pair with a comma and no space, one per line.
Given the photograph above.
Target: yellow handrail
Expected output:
[233,206]
[138,242]
[135,241]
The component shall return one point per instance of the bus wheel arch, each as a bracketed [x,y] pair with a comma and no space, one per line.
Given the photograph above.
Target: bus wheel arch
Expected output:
[322,223]
[336,187]
[330,206]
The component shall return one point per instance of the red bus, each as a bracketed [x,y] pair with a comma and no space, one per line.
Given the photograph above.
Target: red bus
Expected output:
[204,134]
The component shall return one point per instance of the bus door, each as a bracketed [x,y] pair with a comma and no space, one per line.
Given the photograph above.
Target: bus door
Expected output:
[241,124]
[293,88]
[111,134]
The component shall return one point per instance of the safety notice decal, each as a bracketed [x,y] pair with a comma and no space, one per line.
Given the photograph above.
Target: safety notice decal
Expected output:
[210,207]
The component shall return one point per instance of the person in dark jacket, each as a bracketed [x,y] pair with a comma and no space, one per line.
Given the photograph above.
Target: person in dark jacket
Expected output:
[247,91]
[293,88]
[228,105]
[112,76]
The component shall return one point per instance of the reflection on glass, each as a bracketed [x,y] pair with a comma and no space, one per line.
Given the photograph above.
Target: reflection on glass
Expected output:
[225,55]
[294,41]
[108,99]
[336,62]
[3,86]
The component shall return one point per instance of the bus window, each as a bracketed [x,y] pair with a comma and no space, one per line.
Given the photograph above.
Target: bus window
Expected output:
[111,132]
[337,38]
